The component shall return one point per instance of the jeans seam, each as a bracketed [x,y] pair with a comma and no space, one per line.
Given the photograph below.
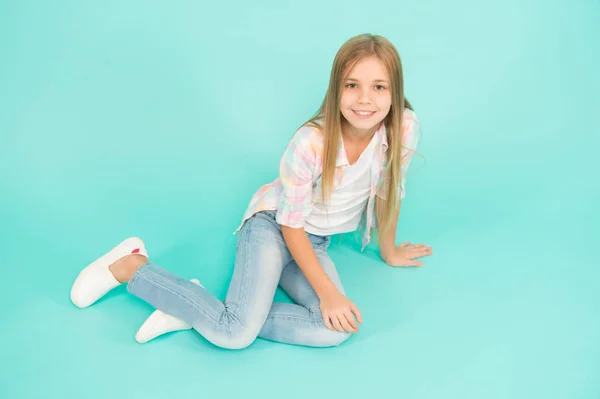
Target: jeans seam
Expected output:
[157,282]
[136,276]
[309,319]
[133,279]
[245,275]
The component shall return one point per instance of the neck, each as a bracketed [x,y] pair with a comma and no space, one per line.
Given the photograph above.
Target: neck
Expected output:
[357,136]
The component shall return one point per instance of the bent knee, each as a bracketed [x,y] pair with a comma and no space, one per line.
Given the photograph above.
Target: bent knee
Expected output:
[238,343]
[235,338]
[327,337]
[333,337]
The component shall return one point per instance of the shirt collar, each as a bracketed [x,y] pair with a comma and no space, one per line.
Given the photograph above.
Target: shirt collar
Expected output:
[380,136]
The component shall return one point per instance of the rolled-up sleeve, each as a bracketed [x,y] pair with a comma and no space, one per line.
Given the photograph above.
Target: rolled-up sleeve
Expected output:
[296,171]
[410,141]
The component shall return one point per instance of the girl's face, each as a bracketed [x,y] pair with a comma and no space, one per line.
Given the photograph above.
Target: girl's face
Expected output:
[366,97]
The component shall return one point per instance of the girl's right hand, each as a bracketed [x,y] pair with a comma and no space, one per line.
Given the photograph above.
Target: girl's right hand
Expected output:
[339,312]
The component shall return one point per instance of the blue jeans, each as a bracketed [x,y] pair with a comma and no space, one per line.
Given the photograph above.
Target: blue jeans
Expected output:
[262,263]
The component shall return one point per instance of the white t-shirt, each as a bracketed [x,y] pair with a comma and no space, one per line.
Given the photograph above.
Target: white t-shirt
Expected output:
[347,201]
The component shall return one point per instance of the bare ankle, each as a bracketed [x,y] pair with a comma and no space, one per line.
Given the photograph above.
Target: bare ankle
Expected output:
[125,267]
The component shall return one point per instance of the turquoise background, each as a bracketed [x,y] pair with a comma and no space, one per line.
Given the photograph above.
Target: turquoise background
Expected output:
[141,118]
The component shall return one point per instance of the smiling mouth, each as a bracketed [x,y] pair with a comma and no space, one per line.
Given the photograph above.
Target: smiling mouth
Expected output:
[363,114]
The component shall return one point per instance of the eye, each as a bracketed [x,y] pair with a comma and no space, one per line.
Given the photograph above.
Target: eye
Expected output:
[350,84]
[380,87]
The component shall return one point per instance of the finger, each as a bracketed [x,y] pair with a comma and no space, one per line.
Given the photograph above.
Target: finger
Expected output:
[420,247]
[350,320]
[410,263]
[327,322]
[404,244]
[336,323]
[417,253]
[344,323]
[414,251]
[422,253]
[356,312]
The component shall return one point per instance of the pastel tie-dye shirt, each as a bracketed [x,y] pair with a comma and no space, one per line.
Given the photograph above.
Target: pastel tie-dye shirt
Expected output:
[290,195]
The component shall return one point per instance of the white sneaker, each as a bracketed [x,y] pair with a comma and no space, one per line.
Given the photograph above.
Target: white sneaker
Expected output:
[96,280]
[160,323]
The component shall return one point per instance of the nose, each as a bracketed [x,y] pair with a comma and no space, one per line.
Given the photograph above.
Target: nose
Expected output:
[364,96]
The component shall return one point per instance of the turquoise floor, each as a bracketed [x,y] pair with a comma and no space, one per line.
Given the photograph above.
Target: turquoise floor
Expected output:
[143,118]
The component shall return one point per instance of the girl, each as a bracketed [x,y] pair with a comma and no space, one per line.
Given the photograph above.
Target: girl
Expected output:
[342,169]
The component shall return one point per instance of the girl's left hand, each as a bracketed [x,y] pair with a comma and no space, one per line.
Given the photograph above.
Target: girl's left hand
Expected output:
[405,254]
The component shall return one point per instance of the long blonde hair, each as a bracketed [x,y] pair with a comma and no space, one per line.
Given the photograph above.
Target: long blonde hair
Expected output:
[328,117]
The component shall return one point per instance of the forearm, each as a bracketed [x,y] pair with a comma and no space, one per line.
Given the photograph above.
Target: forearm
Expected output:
[303,253]
[386,237]
[387,243]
